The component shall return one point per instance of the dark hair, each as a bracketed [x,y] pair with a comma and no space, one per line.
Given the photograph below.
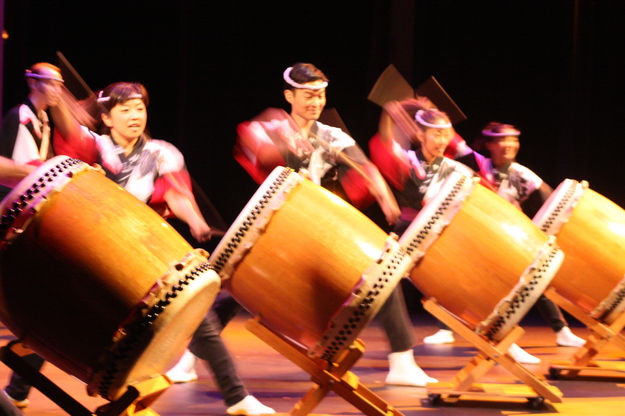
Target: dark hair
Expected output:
[119,93]
[432,116]
[496,128]
[303,73]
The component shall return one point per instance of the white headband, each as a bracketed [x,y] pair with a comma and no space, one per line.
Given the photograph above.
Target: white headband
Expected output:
[490,133]
[418,117]
[31,74]
[105,99]
[287,78]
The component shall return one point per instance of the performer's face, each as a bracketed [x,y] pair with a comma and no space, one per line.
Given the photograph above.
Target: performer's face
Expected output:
[503,149]
[434,141]
[127,120]
[306,104]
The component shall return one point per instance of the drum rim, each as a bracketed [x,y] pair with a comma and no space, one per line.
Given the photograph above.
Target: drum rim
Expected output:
[431,221]
[532,283]
[243,233]
[32,192]
[110,376]
[366,299]
[559,207]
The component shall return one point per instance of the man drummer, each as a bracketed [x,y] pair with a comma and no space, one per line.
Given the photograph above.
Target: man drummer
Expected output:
[25,133]
[24,144]
[330,157]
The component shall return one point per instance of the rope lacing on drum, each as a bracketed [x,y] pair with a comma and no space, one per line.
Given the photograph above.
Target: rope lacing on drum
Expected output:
[347,331]
[560,206]
[17,207]
[138,329]
[519,298]
[620,295]
[416,242]
[231,246]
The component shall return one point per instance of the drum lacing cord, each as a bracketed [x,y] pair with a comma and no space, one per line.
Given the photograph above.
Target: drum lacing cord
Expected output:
[519,298]
[346,333]
[138,329]
[416,242]
[620,295]
[8,218]
[223,257]
[562,205]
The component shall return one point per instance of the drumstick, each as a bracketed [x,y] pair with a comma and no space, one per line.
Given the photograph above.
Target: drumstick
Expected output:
[74,73]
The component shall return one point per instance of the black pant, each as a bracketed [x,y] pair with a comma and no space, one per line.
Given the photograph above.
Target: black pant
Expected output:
[396,322]
[19,387]
[207,345]
[7,408]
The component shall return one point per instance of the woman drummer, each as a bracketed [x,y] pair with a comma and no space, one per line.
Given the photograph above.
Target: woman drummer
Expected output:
[417,171]
[523,188]
[154,171]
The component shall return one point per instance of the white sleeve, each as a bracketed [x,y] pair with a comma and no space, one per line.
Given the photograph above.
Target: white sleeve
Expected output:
[170,158]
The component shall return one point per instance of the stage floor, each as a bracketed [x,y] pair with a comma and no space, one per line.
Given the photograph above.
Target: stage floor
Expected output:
[280,384]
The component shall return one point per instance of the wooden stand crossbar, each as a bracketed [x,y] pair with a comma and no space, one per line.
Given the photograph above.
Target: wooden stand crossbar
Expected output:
[601,334]
[135,401]
[326,376]
[463,385]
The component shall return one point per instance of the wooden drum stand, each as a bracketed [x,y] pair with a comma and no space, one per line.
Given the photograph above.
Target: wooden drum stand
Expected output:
[463,386]
[601,335]
[327,376]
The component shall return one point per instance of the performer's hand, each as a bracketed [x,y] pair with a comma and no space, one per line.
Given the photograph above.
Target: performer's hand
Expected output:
[305,173]
[391,211]
[201,232]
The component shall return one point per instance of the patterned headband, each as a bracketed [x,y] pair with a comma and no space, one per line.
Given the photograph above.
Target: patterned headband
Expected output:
[105,99]
[31,74]
[419,118]
[287,78]
[510,132]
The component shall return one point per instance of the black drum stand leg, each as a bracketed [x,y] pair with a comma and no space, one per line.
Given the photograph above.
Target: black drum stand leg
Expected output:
[12,354]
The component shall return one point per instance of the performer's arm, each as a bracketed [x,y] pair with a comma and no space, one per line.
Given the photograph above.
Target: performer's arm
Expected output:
[186,209]
[69,137]
[374,182]
[12,173]
[173,195]
[536,199]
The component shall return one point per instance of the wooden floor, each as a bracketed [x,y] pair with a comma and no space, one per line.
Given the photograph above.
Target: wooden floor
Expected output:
[280,384]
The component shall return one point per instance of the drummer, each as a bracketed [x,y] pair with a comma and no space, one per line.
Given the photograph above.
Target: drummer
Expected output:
[417,172]
[526,190]
[154,171]
[25,133]
[331,158]
[25,144]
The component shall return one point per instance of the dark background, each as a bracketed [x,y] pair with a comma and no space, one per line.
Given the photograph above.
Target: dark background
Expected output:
[553,68]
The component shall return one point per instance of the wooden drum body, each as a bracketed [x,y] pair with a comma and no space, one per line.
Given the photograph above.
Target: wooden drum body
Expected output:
[94,280]
[591,231]
[479,256]
[311,266]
